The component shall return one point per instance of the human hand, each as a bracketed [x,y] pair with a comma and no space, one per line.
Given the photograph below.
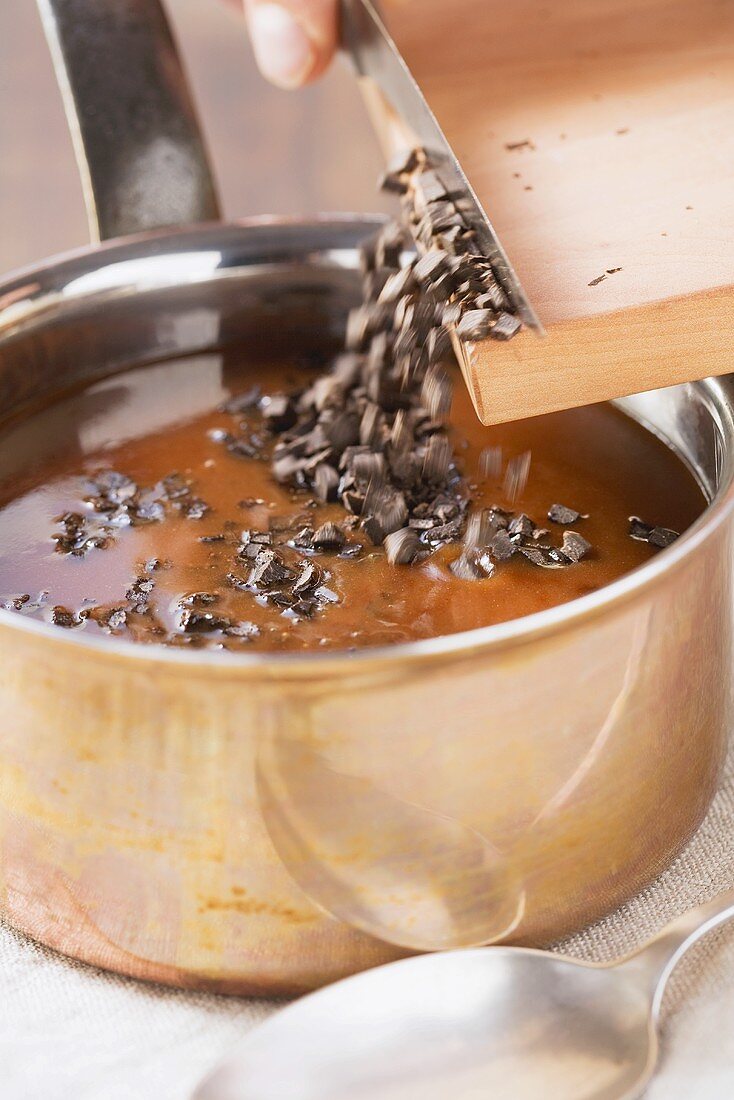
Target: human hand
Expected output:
[293,40]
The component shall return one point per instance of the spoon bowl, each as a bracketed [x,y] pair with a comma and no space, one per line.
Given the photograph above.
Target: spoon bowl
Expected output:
[501,1022]
[488,1022]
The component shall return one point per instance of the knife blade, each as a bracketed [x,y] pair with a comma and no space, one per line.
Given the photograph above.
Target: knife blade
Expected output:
[404,119]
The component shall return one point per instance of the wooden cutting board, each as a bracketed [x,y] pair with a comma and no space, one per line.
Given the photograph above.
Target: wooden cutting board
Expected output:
[599,136]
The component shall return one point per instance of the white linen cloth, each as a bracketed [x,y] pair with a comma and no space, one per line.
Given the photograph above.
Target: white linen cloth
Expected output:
[70,1032]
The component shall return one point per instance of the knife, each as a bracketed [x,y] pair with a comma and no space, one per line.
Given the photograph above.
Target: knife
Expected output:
[403,120]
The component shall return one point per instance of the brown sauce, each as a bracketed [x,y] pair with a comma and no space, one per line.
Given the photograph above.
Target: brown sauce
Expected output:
[147,423]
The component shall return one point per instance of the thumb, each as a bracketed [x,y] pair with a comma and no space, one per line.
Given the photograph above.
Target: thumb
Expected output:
[293,40]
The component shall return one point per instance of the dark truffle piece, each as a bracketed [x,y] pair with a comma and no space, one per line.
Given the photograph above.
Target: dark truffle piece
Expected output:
[139,593]
[505,327]
[391,511]
[662,537]
[198,599]
[278,411]
[655,536]
[201,622]
[62,616]
[437,392]
[269,570]
[472,565]
[399,167]
[195,508]
[328,537]
[310,577]
[433,263]
[521,525]
[235,581]
[559,513]
[399,283]
[325,482]
[437,459]
[516,475]
[431,186]
[490,462]
[575,546]
[547,557]
[501,546]
[343,431]
[475,324]
[116,618]
[403,546]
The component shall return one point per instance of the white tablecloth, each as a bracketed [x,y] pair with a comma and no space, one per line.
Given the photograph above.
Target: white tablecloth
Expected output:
[69,1032]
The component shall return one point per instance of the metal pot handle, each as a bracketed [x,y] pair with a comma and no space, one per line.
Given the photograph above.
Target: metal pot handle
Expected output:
[140,153]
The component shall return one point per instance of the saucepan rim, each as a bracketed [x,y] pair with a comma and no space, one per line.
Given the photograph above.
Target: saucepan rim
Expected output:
[465,644]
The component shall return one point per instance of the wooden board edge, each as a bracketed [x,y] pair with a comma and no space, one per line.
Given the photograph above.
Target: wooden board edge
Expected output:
[613,355]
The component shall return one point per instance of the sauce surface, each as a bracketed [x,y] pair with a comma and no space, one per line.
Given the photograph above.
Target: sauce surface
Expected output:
[150,422]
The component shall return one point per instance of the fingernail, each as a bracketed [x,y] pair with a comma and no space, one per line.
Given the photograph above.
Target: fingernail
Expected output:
[283,51]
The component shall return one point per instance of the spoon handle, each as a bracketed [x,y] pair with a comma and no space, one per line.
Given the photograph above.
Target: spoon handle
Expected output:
[656,961]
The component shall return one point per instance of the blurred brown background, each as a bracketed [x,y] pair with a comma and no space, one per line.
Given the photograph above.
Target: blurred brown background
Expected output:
[274,152]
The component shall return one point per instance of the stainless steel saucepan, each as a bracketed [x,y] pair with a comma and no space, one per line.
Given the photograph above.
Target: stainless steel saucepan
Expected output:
[260,823]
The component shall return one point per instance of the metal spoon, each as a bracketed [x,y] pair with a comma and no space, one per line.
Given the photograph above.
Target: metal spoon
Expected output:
[502,1022]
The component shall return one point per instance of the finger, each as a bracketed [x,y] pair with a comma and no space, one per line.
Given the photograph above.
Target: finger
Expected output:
[293,40]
